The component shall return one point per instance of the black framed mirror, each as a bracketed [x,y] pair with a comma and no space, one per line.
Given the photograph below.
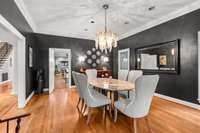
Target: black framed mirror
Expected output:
[159,58]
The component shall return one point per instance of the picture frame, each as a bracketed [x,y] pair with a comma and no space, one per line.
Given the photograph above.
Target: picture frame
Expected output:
[163,60]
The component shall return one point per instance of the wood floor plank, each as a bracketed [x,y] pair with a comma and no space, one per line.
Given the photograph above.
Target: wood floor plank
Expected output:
[57,113]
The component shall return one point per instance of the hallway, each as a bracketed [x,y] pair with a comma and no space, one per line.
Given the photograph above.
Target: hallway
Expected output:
[60,82]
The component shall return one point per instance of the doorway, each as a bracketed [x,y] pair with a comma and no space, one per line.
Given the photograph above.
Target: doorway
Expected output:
[6,69]
[59,67]
[10,35]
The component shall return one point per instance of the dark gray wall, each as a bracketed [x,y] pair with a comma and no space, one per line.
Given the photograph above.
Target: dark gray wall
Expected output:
[78,48]
[185,85]
[10,11]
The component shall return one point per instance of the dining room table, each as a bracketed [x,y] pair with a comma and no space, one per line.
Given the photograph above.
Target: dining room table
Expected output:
[112,86]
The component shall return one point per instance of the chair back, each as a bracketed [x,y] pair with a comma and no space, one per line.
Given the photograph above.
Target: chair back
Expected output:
[122,75]
[145,87]
[91,74]
[133,75]
[76,83]
[84,88]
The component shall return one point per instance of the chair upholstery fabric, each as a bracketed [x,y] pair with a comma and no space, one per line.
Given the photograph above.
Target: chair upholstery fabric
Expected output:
[133,75]
[92,99]
[122,75]
[76,83]
[91,74]
[139,107]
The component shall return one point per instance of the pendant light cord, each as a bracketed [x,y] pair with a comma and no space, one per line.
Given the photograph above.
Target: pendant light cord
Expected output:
[105,19]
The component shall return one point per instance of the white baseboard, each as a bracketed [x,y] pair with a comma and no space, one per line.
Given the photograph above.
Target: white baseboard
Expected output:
[29,97]
[45,89]
[72,86]
[5,82]
[14,93]
[198,100]
[192,105]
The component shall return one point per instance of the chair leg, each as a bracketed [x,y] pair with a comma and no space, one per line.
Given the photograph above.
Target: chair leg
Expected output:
[110,110]
[147,121]
[84,109]
[89,115]
[79,100]
[104,112]
[82,105]
[115,117]
[135,125]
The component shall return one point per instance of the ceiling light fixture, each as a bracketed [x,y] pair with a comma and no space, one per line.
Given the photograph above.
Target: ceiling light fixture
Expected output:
[151,8]
[92,22]
[126,22]
[106,40]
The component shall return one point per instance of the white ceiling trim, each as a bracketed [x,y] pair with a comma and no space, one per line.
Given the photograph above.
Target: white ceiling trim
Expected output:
[180,12]
[26,14]
[63,35]
[12,29]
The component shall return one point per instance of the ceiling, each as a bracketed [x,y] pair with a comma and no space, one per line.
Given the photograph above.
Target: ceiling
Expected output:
[72,18]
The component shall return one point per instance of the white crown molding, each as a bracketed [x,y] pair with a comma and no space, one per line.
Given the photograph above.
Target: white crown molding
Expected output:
[11,28]
[192,105]
[180,12]
[26,14]
[67,36]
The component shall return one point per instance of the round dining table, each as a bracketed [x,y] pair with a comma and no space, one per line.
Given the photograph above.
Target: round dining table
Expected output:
[112,86]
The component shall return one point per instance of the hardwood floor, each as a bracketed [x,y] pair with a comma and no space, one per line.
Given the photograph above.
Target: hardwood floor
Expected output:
[6,87]
[57,113]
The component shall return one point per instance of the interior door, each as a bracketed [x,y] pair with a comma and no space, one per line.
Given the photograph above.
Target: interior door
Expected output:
[51,69]
[123,63]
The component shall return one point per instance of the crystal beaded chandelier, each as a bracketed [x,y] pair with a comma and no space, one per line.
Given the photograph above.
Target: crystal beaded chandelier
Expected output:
[106,40]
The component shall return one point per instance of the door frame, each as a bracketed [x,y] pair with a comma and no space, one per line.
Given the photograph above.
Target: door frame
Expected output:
[52,68]
[70,67]
[198,66]
[19,77]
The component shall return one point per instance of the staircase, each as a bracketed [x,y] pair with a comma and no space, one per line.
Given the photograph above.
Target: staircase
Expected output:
[5,50]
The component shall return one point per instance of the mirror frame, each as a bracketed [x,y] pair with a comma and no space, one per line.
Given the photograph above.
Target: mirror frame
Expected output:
[177,58]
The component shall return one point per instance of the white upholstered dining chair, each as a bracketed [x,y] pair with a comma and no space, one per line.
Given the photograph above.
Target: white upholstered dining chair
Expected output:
[145,87]
[91,99]
[133,75]
[91,74]
[80,100]
[123,74]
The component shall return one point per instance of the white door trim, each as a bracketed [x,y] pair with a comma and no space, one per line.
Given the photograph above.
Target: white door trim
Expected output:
[51,69]
[198,66]
[19,80]
[70,67]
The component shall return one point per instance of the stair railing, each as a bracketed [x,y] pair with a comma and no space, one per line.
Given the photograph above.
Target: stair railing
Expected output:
[18,118]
